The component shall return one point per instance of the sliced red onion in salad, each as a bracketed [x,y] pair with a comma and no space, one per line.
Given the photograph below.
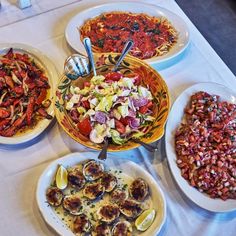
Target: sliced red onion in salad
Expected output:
[140,102]
[100,117]
[134,123]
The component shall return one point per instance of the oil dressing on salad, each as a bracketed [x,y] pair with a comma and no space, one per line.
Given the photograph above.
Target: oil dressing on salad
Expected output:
[111,107]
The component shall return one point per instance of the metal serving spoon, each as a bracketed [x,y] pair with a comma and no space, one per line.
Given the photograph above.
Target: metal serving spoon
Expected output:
[103,154]
[147,146]
[88,48]
[78,66]
[129,44]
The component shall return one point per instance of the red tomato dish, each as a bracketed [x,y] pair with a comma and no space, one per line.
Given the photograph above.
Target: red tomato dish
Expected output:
[109,32]
[206,146]
[23,93]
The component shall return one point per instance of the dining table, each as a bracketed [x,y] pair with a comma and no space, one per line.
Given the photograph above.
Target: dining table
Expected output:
[42,26]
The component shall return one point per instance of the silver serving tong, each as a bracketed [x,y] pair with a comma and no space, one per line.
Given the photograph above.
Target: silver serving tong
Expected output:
[129,44]
[88,48]
[77,65]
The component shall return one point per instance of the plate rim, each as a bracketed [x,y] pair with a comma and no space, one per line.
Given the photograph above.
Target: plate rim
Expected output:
[172,157]
[151,61]
[80,157]
[49,66]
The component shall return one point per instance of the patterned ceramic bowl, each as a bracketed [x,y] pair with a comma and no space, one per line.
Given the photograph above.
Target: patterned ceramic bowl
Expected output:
[150,78]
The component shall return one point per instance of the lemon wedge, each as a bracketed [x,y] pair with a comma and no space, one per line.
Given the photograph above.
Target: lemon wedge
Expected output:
[144,221]
[61,177]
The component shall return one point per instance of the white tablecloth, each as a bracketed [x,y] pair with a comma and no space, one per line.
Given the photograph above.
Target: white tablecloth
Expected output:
[21,167]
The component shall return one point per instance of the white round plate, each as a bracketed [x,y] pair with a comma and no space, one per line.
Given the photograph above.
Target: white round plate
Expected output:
[50,71]
[174,120]
[73,36]
[157,196]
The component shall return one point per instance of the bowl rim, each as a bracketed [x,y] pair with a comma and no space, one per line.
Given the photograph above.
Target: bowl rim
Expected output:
[134,144]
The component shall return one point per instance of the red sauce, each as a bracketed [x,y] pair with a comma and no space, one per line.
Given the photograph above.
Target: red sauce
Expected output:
[109,32]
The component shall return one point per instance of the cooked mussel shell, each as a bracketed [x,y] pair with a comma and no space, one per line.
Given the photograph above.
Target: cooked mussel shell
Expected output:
[139,189]
[118,195]
[54,196]
[108,213]
[109,181]
[122,228]
[130,208]
[73,204]
[101,229]
[81,225]
[93,191]
[93,170]
[76,178]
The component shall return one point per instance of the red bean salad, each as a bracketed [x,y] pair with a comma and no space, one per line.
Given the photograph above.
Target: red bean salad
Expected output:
[206,146]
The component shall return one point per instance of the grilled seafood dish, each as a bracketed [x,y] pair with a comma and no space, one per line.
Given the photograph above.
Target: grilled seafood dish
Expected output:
[118,195]
[98,201]
[24,91]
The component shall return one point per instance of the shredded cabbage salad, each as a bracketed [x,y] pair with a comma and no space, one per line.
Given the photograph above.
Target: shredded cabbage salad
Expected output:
[111,106]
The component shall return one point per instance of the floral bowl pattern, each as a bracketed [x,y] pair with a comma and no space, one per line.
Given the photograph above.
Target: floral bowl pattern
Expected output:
[150,79]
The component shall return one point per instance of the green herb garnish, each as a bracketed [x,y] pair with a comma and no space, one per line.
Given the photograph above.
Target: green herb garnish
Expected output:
[100,43]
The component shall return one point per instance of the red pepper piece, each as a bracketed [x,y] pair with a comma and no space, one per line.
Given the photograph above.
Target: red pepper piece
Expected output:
[4,113]
[43,113]
[9,81]
[30,110]
[4,123]
[42,96]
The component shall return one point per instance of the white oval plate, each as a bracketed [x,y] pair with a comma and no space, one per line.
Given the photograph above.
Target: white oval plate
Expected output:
[73,36]
[44,62]
[174,120]
[126,166]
